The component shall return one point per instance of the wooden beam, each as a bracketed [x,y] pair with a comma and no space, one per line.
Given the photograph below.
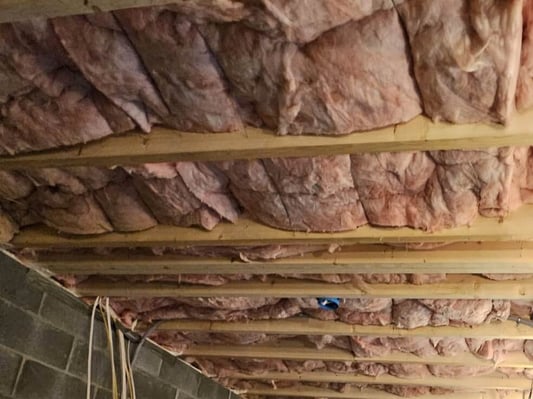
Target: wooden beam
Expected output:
[478,383]
[454,287]
[309,326]
[164,145]
[297,350]
[474,257]
[515,227]
[368,393]
[19,10]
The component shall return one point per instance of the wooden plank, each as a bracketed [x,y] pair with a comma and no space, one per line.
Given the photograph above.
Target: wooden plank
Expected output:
[164,145]
[19,10]
[473,257]
[309,326]
[454,287]
[515,227]
[481,383]
[368,393]
[297,350]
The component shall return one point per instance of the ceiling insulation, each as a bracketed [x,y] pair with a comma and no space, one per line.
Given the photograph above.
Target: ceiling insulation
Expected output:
[402,324]
[423,191]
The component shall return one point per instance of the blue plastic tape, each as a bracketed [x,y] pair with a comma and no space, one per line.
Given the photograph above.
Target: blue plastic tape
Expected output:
[329,303]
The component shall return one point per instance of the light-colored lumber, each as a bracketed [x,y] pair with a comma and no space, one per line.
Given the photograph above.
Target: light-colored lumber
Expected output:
[472,257]
[164,145]
[515,227]
[369,393]
[309,326]
[481,382]
[296,350]
[454,287]
[19,10]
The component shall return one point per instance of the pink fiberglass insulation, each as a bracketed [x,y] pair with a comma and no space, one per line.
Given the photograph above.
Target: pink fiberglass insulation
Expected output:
[313,67]
[424,190]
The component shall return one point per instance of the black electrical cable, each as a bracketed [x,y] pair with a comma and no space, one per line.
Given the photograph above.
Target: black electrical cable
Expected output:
[519,320]
[144,337]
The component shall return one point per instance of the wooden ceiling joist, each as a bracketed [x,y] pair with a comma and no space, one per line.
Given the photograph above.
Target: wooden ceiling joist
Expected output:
[492,381]
[515,227]
[19,10]
[454,287]
[369,393]
[297,350]
[166,145]
[475,257]
[309,326]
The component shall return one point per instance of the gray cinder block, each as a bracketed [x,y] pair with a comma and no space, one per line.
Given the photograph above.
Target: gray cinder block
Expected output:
[27,334]
[40,382]
[9,367]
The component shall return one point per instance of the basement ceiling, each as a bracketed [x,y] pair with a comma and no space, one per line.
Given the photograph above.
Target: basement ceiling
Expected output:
[330,200]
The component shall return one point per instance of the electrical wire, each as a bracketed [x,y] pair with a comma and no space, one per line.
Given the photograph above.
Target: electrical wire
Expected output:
[126,371]
[109,329]
[144,337]
[124,340]
[131,380]
[123,366]
[520,320]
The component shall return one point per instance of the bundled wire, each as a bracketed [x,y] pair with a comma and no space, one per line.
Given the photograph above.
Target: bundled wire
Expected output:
[90,354]
[127,386]
[106,316]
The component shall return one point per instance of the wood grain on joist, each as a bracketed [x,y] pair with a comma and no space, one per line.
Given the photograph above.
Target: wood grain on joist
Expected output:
[515,227]
[369,393]
[166,145]
[474,257]
[19,10]
[454,287]
[492,381]
[309,326]
[296,350]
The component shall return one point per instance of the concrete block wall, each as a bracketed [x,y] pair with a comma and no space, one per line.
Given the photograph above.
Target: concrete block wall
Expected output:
[44,343]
